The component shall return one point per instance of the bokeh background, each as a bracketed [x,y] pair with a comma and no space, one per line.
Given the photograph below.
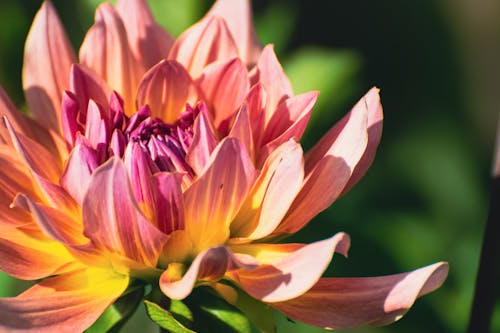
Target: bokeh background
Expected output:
[425,197]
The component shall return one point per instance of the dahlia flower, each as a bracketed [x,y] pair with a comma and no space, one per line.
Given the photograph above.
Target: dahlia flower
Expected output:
[177,163]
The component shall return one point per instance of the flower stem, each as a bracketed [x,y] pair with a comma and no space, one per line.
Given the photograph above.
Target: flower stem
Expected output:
[488,276]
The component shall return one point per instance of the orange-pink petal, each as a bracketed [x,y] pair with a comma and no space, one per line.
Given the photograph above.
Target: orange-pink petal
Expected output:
[167,88]
[86,85]
[147,40]
[205,42]
[238,16]
[105,50]
[213,200]
[47,60]
[112,219]
[290,275]
[203,144]
[66,303]
[224,86]
[338,303]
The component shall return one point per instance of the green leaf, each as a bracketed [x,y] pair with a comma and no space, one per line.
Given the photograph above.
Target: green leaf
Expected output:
[261,314]
[164,318]
[117,314]
[213,314]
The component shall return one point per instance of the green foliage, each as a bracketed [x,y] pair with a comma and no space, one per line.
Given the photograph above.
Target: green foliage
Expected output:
[164,318]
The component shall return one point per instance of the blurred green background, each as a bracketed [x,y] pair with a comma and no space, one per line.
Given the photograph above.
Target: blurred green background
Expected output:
[425,197]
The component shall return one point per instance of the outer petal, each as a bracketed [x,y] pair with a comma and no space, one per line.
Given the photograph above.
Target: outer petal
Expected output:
[204,43]
[224,86]
[214,198]
[337,303]
[67,303]
[105,50]
[112,219]
[238,16]
[28,255]
[167,88]
[271,76]
[329,166]
[291,275]
[148,41]
[272,194]
[47,60]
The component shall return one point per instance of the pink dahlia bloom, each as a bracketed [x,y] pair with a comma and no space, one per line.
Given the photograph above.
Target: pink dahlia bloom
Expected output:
[177,161]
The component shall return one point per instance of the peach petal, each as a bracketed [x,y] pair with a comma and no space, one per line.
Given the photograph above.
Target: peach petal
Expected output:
[272,194]
[256,101]
[86,85]
[112,219]
[273,79]
[105,51]
[67,303]
[292,275]
[329,166]
[148,41]
[203,144]
[205,42]
[47,59]
[213,200]
[238,16]
[338,303]
[224,86]
[242,130]
[167,88]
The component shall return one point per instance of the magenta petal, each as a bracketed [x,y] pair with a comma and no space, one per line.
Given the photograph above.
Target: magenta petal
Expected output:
[112,219]
[170,203]
[294,274]
[82,162]
[337,303]
[86,85]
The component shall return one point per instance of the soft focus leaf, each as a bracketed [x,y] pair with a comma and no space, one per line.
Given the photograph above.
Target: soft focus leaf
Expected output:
[164,318]
[117,315]
[213,314]
[277,14]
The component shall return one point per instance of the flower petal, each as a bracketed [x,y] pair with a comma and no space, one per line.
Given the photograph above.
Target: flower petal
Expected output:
[271,76]
[203,144]
[374,126]
[148,41]
[290,275]
[167,88]
[213,200]
[242,130]
[170,203]
[224,86]
[239,19]
[66,303]
[47,59]
[105,50]
[28,255]
[86,85]
[272,194]
[337,303]
[112,219]
[202,44]
[329,166]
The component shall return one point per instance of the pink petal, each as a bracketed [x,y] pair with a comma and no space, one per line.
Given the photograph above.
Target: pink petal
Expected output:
[272,194]
[374,126]
[256,101]
[82,162]
[167,88]
[211,264]
[203,144]
[292,275]
[170,203]
[112,219]
[271,76]
[224,86]
[148,41]
[238,16]
[213,200]
[96,129]
[105,50]
[337,303]
[47,59]
[329,166]
[242,130]
[69,118]
[67,303]
[205,42]
[87,85]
